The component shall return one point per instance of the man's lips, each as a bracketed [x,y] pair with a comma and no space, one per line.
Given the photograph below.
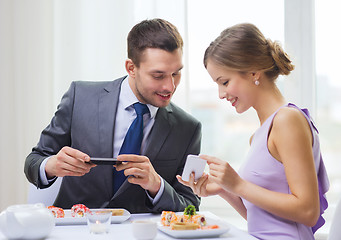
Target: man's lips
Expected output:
[164,96]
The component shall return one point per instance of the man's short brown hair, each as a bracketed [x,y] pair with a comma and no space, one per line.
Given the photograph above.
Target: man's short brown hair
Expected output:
[155,33]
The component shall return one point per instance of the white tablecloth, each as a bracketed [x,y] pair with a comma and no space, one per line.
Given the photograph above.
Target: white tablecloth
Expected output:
[124,231]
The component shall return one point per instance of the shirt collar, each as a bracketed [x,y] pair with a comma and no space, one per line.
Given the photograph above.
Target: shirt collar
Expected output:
[128,98]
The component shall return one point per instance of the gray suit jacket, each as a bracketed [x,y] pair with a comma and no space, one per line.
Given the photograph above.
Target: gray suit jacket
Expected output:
[85,121]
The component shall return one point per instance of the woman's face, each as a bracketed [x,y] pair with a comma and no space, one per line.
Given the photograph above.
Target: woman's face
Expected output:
[235,87]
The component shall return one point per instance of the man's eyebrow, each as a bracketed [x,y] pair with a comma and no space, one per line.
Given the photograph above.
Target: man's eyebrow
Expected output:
[180,68]
[157,71]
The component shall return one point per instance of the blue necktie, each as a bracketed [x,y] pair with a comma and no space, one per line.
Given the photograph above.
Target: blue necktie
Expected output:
[132,141]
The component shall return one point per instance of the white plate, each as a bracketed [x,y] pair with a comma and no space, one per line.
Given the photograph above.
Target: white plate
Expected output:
[199,233]
[69,220]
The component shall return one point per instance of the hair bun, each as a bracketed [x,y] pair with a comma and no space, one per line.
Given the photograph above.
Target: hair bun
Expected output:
[280,58]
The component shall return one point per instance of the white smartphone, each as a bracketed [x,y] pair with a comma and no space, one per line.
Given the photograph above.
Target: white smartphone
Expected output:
[193,164]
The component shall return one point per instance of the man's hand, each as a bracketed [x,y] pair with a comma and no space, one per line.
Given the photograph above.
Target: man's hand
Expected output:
[68,162]
[140,172]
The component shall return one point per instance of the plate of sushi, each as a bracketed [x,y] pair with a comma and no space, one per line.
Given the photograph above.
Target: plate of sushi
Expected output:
[77,214]
[190,224]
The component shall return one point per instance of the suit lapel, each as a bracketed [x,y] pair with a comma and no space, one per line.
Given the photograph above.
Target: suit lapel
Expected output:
[159,133]
[108,101]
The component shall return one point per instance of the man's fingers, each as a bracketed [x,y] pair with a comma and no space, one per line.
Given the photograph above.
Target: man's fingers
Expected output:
[76,154]
[68,162]
[132,158]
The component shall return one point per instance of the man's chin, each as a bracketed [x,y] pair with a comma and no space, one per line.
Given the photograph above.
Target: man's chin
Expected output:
[160,104]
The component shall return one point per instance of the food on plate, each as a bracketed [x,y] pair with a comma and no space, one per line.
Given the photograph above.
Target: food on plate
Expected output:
[166,217]
[199,219]
[184,226]
[188,220]
[190,211]
[79,210]
[57,211]
[214,226]
[114,212]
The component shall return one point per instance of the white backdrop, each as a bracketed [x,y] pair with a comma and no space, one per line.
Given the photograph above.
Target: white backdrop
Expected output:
[46,44]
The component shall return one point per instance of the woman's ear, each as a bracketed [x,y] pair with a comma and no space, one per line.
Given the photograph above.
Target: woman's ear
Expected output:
[255,75]
[130,68]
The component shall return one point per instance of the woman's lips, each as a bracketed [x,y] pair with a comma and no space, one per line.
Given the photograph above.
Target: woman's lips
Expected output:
[233,101]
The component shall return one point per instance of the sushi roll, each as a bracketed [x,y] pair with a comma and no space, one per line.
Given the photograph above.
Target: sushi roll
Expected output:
[185,219]
[199,219]
[56,211]
[166,217]
[79,210]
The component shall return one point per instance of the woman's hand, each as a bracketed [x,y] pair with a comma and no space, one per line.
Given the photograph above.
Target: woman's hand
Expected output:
[203,187]
[222,174]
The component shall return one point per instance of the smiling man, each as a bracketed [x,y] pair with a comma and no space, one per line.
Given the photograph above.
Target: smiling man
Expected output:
[94,120]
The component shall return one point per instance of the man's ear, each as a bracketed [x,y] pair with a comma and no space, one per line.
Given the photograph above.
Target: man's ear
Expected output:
[130,68]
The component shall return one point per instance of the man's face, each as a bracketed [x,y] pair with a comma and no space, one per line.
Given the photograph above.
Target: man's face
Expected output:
[156,79]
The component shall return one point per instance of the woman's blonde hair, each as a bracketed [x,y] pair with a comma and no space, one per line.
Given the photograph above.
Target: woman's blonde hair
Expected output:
[244,48]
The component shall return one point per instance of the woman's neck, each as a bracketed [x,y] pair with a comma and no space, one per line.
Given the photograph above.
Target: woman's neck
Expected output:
[270,100]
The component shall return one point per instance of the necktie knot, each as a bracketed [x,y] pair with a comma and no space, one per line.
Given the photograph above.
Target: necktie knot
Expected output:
[140,108]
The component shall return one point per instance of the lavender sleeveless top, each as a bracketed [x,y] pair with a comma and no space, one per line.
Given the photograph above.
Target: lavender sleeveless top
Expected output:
[262,169]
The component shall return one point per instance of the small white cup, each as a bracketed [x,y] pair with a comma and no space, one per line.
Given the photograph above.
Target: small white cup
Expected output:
[144,229]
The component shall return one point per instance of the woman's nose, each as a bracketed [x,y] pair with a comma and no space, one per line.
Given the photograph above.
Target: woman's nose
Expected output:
[222,93]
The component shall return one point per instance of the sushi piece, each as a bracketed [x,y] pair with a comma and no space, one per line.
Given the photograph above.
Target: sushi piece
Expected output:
[166,217]
[114,212]
[199,219]
[79,210]
[185,219]
[56,211]
[175,219]
[184,226]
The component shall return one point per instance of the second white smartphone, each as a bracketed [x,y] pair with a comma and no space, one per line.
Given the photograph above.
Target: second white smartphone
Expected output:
[193,164]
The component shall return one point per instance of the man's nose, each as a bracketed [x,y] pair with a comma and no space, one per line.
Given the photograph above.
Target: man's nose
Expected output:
[169,83]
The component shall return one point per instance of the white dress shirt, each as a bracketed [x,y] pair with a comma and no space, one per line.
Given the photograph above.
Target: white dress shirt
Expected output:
[124,117]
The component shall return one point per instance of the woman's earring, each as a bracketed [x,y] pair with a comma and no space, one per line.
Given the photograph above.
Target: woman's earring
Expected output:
[256,82]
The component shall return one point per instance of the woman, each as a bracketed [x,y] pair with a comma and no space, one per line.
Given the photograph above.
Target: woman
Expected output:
[280,188]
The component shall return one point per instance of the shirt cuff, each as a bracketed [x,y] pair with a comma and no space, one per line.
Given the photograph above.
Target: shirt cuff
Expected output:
[159,193]
[42,173]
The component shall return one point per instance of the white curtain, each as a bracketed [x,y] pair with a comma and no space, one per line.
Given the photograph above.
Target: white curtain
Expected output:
[26,72]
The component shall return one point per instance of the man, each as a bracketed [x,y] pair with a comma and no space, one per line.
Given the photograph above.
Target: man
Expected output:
[93,118]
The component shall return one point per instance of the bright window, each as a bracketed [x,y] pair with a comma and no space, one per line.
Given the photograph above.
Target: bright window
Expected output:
[328,51]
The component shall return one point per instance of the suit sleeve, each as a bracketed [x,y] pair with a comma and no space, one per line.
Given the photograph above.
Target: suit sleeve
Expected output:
[176,196]
[53,138]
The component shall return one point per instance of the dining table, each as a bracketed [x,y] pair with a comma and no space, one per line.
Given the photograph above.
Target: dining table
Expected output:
[123,230]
